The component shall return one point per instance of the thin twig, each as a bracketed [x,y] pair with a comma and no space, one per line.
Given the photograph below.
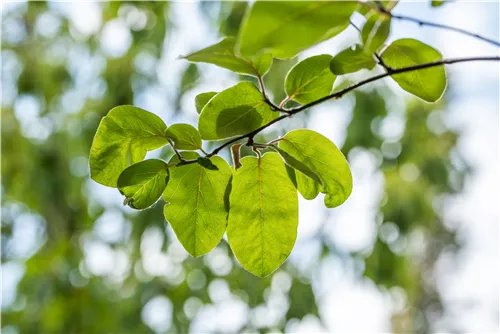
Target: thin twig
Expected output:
[181,159]
[266,99]
[431,24]
[381,62]
[338,95]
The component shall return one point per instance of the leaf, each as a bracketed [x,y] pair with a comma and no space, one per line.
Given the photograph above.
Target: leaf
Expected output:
[351,60]
[123,138]
[310,79]
[222,54]
[202,99]
[428,84]
[286,28]
[375,32]
[143,183]
[184,136]
[298,165]
[234,111]
[321,156]
[437,3]
[389,5]
[206,163]
[263,215]
[195,206]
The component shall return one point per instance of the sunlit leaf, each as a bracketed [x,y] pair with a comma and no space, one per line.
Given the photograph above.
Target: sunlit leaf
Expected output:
[352,60]
[389,4]
[322,157]
[122,139]
[298,165]
[143,183]
[202,99]
[184,136]
[310,79]
[263,215]
[222,54]
[428,84]
[375,31]
[196,207]
[286,28]
[234,111]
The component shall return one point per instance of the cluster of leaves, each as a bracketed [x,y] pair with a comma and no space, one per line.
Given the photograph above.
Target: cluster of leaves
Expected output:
[255,200]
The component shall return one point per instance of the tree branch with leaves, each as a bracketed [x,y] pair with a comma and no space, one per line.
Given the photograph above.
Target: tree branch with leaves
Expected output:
[255,200]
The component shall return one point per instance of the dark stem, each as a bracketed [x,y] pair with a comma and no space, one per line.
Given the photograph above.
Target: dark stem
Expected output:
[181,159]
[340,93]
[432,24]
[337,95]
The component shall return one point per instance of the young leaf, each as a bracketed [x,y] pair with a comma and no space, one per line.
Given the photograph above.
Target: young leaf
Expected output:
[298,165]
[389,5]
[428,84]
[202,99]
[143,183]
[123,138]
[234,111]
[310,79]
[375,32]
[195,206]
[437,3]
[286,28]
[222,54]
[322,157]
[352,60]
[263,215]
[184,137]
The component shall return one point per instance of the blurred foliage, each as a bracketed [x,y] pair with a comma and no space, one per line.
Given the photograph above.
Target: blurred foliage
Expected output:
[45,181]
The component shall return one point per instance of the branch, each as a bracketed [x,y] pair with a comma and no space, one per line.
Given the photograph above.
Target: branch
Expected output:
[432,24]
[338,95]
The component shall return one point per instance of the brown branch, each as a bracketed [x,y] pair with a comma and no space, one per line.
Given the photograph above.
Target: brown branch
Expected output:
[338,95]
[431,24]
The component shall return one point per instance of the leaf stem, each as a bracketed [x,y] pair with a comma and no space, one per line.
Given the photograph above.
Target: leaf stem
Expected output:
[337,95]
[431,24]
[340,93]
[181,159]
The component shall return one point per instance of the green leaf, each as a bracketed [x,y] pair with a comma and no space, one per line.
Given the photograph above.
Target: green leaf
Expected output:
[375,32]
[184,137]
[263,215]
[234,111]
[389,5]
[298,165]
[286,28]
[321,156]
[437,3]
[428,84]
[206,163]
[122,139]
[202,99]
[143,183]
[310,79]
[352,60]
[222,54]
[196,207]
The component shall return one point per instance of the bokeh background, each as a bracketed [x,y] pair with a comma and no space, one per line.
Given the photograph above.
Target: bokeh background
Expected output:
[414,249]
